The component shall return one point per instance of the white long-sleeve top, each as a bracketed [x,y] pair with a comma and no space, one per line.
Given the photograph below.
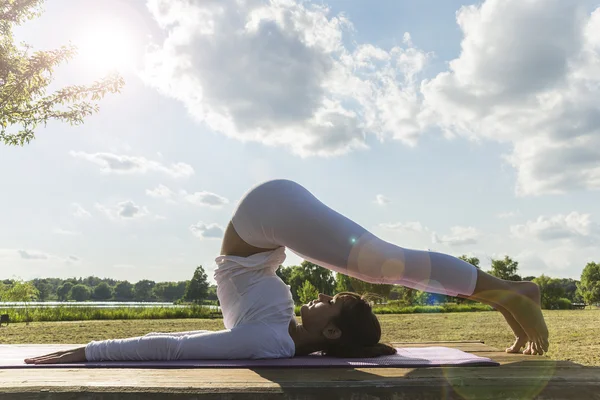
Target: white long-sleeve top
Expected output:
[257,308]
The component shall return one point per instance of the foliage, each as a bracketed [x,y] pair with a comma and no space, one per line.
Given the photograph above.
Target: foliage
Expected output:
[589,286]
[471,260]
[80,292]
[550,290]
[197,289]
[143,290]
[505,269]
[295,276]
[102,292]
[563,304]
[20,291]
[123,291]
[67,313]
[64,291]
[307,292]
[25,77]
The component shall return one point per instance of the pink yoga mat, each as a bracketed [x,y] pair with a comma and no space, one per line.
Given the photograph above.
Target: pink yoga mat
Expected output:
[12,356]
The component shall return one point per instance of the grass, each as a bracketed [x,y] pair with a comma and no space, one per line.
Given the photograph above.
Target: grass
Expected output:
[573,334]
[66,313]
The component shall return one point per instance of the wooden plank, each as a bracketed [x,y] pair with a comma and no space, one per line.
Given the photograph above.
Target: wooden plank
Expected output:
[519,376]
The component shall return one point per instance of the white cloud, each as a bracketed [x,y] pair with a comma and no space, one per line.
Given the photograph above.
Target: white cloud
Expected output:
[205,199]
[382,200]
[529,75]
[123,210]
[210,231]
[80,212]
[161,192]
[33,255]
[507,214]
[412,226]
[575,228]
[459,236]
[122,164]
[278,73]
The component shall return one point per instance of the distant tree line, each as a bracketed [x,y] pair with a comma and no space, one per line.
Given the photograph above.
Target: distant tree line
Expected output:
[306,281]
[93,288]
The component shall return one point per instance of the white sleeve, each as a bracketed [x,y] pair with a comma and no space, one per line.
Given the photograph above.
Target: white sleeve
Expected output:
[243,342]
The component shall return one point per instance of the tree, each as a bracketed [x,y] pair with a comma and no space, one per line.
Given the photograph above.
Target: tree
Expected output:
[505,269]
[103,291]
[404,295]
[80,292]
[321,278]
[169,291]
[25,77]
[471,260]
[43,288]
[143,290]
[284,273]
[550,290]
[294,276]
[197,289]
[307,292]
[380,290]
[64,291]
[21,291]
[343,283]
[124,291]
[589,286]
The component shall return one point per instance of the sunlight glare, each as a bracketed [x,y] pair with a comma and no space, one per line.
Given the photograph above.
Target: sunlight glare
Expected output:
[106,47]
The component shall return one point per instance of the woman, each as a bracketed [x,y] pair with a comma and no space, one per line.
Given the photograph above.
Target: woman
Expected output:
[258,310]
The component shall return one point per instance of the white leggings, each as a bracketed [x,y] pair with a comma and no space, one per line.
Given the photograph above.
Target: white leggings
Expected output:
[283,213]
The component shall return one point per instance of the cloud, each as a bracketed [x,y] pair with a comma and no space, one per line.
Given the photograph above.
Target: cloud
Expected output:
[33,255]
[123,210]
[575,228]
[122,164]
[528,75]
[507,214]
[160,192]
[205,199]
[382,200]
[413,226]
[80,212]
[460,236]
[211,231]
[280,74]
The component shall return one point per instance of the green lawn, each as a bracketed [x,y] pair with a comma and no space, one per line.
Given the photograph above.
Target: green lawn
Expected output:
[573,334]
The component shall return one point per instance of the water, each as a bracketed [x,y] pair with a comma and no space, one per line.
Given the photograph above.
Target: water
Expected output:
[93,304]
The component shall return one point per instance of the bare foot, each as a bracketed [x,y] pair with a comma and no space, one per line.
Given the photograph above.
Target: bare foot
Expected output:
[520,342]
[520,335]
[526,308]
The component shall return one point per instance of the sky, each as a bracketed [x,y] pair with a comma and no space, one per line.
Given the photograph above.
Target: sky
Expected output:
[464,128]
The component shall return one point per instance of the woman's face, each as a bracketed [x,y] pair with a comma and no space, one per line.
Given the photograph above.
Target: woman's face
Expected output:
[317,314]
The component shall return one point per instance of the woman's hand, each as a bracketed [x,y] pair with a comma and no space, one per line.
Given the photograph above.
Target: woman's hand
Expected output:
[60,357]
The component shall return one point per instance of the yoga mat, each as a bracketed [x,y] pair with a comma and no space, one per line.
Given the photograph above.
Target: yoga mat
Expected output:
[12,356]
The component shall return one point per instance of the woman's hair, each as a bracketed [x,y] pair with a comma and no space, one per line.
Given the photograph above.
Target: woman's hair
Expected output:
[360,330]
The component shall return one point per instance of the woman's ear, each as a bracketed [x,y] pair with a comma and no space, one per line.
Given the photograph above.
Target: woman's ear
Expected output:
[332,332]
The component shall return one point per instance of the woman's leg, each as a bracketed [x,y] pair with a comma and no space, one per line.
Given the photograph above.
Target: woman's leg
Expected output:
[283,213]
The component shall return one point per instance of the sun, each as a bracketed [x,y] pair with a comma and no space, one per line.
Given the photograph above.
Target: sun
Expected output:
[105,47]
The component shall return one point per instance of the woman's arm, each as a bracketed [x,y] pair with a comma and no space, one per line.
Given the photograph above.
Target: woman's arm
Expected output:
[60,357]
[238,343]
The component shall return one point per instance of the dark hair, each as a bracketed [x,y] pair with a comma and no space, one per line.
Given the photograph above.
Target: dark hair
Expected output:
[360,330]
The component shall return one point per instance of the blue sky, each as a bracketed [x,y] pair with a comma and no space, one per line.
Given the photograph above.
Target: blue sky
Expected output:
[477,133]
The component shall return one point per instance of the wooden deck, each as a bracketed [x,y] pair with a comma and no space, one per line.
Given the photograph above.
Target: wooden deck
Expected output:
[519,377]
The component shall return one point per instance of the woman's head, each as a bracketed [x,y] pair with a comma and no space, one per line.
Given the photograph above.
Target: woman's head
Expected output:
[348,325]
